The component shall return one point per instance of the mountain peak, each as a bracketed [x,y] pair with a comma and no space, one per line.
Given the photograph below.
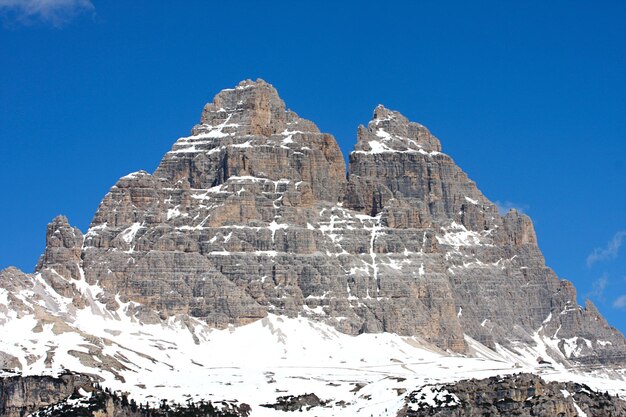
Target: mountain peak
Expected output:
[382,113]
[389,131]
[251,108]
[250,95]
[248,132]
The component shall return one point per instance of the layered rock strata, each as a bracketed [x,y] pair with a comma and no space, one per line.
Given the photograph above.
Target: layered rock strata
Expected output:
[253,213]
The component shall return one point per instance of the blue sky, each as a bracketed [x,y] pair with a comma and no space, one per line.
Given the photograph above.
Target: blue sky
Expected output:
[529,98]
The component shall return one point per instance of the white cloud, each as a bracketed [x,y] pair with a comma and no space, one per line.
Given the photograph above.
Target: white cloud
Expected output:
[505,206]
[620,302]
[55,12]
[609,252]
[598,287]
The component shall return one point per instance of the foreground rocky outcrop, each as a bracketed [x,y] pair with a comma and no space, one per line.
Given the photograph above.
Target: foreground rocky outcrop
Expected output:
[520,395]
[20,396]
[75,395]
[254,214]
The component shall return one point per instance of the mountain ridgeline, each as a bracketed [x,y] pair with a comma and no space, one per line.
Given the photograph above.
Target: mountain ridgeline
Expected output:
[254,214]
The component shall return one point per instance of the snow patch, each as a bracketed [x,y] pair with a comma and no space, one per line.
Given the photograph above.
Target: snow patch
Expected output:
[457,235]
[128,235]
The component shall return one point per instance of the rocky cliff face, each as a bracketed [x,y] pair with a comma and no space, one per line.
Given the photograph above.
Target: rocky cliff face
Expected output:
[254,214]
[22,396]
[521,395]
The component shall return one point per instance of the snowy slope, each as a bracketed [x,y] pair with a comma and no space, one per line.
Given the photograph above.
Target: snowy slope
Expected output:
[182,358]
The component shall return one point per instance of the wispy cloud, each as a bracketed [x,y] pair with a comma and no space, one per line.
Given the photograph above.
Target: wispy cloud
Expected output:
[609,252]
[620,302]
[505,206]
[598,287]
[54,12]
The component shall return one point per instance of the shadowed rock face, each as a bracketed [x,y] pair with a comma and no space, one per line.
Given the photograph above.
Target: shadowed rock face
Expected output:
[253,213]
[521,395]
[20,396]
[75,395]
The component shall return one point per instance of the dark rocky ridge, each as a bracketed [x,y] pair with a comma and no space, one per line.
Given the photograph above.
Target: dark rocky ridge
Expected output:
[523,395]
[253,214]
[75,395]
[20,396]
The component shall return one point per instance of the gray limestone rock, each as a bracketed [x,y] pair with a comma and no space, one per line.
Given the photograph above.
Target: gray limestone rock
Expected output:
[63,249]
[253,213]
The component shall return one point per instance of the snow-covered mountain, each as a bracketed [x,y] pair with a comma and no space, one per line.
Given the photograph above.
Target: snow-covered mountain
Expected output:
[250,267]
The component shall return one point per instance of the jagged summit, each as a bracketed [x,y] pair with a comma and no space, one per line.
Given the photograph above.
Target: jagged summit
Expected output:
[251,108]
[63,244]
[247,132]
[390,131]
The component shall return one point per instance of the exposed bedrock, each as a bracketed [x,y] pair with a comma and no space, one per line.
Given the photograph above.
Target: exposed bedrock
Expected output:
[254,213]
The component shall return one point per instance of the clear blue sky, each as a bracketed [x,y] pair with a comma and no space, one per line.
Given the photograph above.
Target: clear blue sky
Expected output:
[529,98]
